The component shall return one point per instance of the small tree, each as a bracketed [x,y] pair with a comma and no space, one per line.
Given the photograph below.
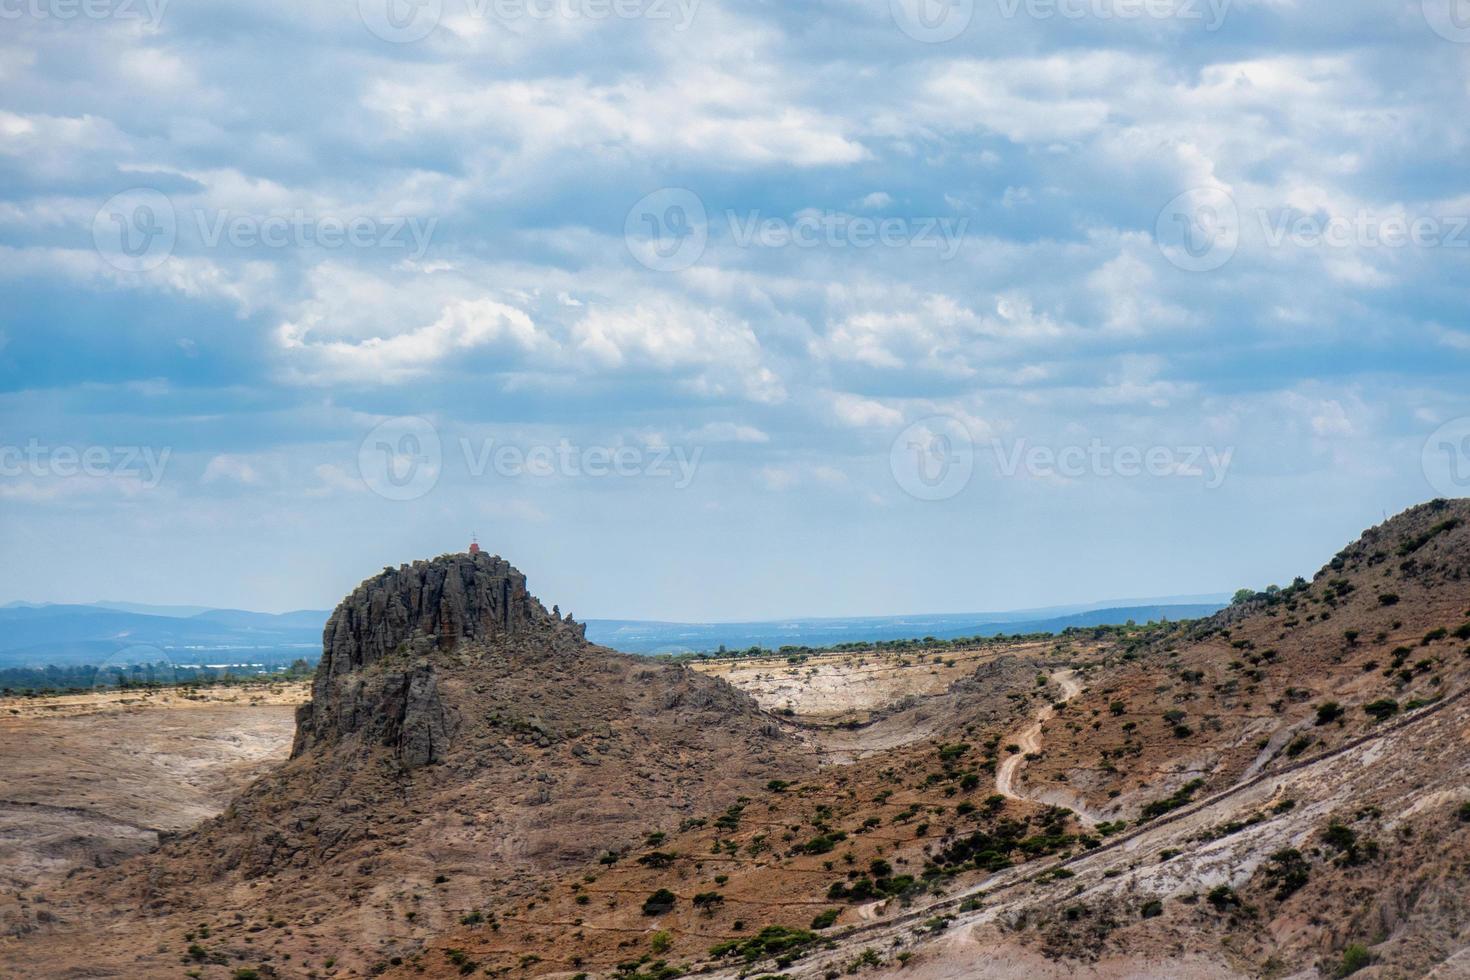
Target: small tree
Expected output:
[659,902]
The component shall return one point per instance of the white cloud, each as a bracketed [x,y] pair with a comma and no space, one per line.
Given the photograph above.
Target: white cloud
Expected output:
[863,413]
[728,432]
[462,326]
[230,469]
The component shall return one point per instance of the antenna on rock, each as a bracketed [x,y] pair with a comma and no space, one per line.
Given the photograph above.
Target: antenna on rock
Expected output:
[474,544]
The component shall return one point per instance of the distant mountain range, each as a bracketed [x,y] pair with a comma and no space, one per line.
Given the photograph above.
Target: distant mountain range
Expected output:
[34,635]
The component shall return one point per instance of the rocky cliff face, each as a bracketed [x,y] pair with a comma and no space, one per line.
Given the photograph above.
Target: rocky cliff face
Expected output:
[377,682]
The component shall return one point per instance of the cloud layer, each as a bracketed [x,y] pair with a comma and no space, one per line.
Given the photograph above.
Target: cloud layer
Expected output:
[253,234]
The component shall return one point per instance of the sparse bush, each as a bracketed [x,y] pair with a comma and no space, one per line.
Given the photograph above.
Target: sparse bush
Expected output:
[1287,871]
[770,941]
[1223,897]
[708,901]
[825,920]
[1354,958]
[659,902]
[1382,709]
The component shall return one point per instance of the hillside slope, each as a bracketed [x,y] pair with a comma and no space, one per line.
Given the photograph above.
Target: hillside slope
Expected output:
[461,740]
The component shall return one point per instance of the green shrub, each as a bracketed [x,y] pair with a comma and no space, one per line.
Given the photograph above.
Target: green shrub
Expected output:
[770,941]
[1382,709]
[1222,897]
[1181,797]
[1287,871]
[825,920]
[1354,958]
[659,902]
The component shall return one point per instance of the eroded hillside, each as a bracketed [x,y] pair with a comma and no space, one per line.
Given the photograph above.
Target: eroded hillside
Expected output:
[1277,791]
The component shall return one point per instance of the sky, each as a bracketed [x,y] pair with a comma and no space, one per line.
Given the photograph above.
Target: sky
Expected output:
[699,310]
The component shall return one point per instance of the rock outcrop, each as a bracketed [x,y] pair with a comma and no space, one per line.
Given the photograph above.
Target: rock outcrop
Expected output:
[377,680]
[458,731]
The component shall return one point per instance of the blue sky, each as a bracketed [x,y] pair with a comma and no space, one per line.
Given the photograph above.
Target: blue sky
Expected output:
[698,310]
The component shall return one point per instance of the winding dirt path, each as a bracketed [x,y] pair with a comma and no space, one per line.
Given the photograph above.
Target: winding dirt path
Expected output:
[1029,738]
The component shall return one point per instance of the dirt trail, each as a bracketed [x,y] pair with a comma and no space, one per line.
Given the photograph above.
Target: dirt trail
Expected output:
[1029,741]
[1320,784]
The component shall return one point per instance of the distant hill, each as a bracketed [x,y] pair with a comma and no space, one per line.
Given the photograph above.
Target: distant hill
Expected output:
[635,636]
[35,635]
[69,635]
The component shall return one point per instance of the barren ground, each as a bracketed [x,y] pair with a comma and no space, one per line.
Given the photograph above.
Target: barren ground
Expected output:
[89,779]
